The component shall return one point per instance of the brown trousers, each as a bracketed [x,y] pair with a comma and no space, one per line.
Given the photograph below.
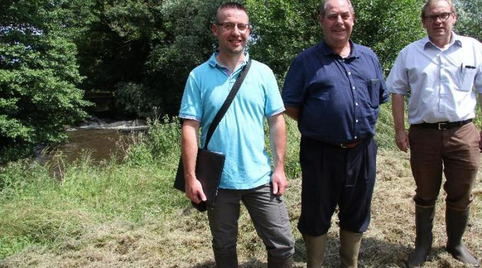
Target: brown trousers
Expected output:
[453,152]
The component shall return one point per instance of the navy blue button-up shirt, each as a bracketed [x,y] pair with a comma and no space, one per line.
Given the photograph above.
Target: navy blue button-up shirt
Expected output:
[338,98]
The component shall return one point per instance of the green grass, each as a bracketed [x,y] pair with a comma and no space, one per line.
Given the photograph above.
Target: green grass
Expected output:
[37,208]
[126,213]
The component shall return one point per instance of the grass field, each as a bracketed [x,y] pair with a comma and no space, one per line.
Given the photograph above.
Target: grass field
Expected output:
[126,214]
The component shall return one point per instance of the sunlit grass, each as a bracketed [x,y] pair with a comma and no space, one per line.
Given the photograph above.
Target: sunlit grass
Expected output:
[126,213]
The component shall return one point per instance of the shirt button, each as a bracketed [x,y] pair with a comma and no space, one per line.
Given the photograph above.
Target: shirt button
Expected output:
[353,88]
[349,73]
[356,121]
[356,137]
[356,103]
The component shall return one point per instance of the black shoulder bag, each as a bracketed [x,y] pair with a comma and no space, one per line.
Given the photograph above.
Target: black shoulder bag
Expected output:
[209,165]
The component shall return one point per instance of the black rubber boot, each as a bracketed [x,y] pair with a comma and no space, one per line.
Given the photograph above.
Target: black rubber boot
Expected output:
[456,222]
[423,242]
[274,262]
[227,259]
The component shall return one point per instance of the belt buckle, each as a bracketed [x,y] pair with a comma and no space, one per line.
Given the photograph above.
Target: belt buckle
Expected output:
[442,126]
[343,145]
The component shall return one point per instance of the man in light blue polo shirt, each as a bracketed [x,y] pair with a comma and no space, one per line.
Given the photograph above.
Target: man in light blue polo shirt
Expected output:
[247,174]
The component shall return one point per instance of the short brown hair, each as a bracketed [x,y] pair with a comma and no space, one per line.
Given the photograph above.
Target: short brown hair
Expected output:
[230,5]
[428,3]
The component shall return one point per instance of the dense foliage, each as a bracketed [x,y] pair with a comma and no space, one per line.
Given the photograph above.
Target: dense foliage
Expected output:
[387,26]
[281,30]
[52,52]
[469,16]
[38,76]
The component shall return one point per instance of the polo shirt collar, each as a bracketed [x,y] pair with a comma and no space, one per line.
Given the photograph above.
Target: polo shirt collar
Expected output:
[327,51]
[213,62]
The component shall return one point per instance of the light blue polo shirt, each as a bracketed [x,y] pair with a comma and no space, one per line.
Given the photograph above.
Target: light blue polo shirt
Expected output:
[240,134]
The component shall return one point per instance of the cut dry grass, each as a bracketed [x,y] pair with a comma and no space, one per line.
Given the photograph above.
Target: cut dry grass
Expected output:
[181,238]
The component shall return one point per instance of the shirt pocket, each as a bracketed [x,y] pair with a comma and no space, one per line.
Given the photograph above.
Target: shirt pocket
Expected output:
[374,91]
[466,77]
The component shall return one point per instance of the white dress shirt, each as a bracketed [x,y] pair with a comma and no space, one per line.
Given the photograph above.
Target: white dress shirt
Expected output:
[440,81]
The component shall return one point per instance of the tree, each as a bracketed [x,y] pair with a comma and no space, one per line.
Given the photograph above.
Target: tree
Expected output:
[387,26]
[114,49]
[282,29]
[38,77]
[142,51]
[187,42]
[469,16]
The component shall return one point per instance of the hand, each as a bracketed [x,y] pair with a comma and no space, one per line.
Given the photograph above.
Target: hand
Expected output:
[194,191]
[401,138]
[279,182]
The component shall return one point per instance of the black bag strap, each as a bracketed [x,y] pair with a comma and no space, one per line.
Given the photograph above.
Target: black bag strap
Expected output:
[226,103]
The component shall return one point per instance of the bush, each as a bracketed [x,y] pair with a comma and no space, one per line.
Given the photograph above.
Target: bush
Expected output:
[38,78]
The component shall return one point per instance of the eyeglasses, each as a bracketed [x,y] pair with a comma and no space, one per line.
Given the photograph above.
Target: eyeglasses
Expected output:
[443,17]
[229,26]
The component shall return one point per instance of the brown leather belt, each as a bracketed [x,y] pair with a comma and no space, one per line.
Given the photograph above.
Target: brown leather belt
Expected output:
[351,145]
[443,125]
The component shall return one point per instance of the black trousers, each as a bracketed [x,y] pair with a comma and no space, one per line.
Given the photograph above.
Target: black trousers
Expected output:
[334,176]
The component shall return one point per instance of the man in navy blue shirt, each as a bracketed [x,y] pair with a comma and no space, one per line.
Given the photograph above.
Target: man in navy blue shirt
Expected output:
[334,90]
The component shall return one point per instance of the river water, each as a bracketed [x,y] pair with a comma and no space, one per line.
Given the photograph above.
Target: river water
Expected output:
[97,139]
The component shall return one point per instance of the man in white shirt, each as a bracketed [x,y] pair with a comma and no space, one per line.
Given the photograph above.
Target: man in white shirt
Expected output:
[438,74]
